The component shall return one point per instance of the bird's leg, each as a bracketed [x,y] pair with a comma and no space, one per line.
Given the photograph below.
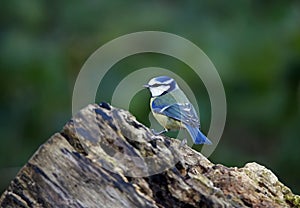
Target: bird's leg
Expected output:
[159,133]
[182,143]
[154,138]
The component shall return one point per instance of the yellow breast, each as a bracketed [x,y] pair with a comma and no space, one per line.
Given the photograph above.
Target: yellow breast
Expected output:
[166,122]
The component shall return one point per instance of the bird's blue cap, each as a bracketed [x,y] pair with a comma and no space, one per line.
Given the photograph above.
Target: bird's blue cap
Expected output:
[163,78]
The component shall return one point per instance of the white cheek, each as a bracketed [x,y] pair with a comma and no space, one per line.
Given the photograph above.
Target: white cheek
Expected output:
[156,91]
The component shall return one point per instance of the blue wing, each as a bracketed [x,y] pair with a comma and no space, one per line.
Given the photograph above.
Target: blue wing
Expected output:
[183,112]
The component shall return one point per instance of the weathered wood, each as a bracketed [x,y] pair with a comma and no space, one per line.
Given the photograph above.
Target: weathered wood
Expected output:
[105,158]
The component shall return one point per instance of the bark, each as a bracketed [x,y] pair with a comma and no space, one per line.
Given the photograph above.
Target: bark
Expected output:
[103,157]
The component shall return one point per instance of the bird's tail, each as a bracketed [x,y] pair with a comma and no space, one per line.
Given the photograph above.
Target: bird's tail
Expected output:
[197,136]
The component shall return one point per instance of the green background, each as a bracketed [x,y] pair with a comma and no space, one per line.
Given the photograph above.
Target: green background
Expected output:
[255,46]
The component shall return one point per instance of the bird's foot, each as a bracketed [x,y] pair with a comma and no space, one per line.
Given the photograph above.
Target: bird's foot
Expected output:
[182,143]
[158,133]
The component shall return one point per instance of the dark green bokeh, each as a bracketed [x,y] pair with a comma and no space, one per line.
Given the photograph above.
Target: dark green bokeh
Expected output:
[254,45]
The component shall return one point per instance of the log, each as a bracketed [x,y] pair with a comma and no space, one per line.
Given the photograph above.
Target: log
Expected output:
[104,157]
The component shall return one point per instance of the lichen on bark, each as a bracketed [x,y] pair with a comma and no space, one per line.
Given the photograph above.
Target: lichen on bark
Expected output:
[103,157]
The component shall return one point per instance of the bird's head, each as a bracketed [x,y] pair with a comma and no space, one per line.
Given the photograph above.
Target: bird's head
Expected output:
[161,85]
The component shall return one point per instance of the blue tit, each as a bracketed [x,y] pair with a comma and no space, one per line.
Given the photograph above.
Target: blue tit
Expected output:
[172,109]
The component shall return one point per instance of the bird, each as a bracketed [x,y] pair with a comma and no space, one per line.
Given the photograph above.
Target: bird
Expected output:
[173,110]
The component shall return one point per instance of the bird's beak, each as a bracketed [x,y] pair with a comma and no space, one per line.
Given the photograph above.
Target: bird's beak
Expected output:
[146,86]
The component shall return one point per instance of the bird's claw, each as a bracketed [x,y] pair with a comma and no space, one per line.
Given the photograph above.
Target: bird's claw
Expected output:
[158,133]
[182,143]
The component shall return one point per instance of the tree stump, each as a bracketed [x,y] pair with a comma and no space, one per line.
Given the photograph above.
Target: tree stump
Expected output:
[103,157]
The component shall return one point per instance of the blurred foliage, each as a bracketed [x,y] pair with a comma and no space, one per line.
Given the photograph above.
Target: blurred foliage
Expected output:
[255,45]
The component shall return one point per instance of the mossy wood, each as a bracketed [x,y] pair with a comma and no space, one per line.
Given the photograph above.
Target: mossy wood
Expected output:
[105,158]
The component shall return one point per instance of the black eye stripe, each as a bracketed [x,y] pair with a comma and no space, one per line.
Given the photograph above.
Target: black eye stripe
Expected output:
[157,85]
